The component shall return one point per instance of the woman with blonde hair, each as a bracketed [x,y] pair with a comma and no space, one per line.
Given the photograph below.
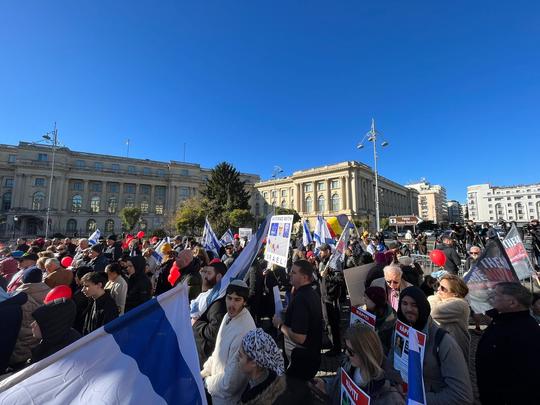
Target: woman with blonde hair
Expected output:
[201,255]
[364,364]
[451,311]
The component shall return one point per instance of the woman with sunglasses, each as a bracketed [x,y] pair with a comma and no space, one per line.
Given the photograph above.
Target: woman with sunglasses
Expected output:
[365,365]
[450,310]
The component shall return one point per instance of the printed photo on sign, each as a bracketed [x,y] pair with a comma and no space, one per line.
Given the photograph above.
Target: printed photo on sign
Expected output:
[277,245]
[286,230]
[359,314]
[352,394]
[401,348]
[274,229]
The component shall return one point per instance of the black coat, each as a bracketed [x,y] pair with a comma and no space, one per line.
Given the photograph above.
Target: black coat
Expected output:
[206,328]
[99,263]
[508,359]
[139,290]
[453,261]
[114,252]
[162,282]
[11,316]
[191,276]
[100,312]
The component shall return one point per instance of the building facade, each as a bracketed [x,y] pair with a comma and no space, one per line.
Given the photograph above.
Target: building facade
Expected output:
[432,205]
[344,188]
[487,203]
[455,213]
[89,190]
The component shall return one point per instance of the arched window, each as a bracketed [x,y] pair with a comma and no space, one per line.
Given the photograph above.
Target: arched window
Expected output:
[38,200]
[91,225]
[109,226]
[159,207]
[309,204]
[320,204]
[144,207]
[129,202]
[71,226]
[283,204]
[95,204]
[6,201]
[334,203]
[76,203]
[112,205]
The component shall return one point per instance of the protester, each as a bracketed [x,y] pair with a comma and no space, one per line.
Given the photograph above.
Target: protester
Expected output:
[8,264]
[221,372]
[102,308]
[113,251]
[445,371]
[189,273]
[26,261]
[162,273]
[56,274]
[229,253]
[139,287]
[507,356]
[392,283]
[365,365]
[453,261]
[22,245]
[385,320]
[116,286]
[80,299]
[35,291]
[151,262]
[52,326]
[412,272]
[450,310]
[98,261]
[81,254]
[261,283]
[429,285]
[206,325]
[11,317]
[302,324]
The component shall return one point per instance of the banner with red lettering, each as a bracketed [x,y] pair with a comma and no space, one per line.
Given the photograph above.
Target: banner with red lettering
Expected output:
[401,348]
[359,314]
[351,394]
[515,249]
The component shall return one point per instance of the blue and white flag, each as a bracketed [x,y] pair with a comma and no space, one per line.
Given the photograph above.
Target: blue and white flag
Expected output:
[416,394]
[306,234]
[209,238]
[94,238]
[157,249]
[241,265]
[338,256]
[322,233]
[147,356]
[228,237]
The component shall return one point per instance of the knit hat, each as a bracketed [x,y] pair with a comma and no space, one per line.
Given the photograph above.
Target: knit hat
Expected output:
[139,263]
[111,237]
[260,347]
[239,288]
[32,275]
[185,257]
[55,319]
[97,248]
[377,295]
[422,304]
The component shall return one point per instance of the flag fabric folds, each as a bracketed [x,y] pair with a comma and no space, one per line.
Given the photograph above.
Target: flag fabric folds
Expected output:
[493,266]
[157,249]
[94,238]
[209,238]
[147,356]
[416,394]
[322,233]
[306,233]
[228,237]
[338,256]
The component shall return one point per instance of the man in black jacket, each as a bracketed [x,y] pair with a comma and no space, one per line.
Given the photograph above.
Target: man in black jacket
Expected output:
[206,327]
[113,251]
[98,261]
[101,308]
[507,356]
[453,261]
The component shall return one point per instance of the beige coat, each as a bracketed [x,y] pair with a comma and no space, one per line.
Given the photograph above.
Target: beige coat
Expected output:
[36,293]
[452,315]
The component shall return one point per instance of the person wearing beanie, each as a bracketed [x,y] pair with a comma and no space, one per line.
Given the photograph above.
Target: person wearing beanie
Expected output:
[113,250]
[139,287]
[189,273]
[101,308]
[52,326]
[221,373]
[36,290]
[8,264]
[98,261]
[445,370]
[385,320]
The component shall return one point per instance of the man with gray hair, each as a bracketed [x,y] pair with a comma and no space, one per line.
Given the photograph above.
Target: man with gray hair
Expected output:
[81,257]
[507,356]
[56,274]
[392,283]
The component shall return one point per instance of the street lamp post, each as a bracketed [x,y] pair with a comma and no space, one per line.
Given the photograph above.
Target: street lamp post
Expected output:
[277,170]
[371,136]
[54,142]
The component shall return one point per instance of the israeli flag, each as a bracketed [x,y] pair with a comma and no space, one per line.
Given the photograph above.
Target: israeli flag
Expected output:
[147,356]
[94,238]
[338,256]
[416,394]
[306,234]
[322,233]
[157,249]
[209,238]
[227,238]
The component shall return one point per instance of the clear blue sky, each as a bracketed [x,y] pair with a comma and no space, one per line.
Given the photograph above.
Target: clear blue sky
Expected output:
[454,86]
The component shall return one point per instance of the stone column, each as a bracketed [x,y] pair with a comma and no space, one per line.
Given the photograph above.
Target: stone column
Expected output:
[328,195]
[353,194]
[344,193]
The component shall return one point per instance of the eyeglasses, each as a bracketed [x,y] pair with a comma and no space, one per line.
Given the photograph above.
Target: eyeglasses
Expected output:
[350,352]
[392,282]
[443,288]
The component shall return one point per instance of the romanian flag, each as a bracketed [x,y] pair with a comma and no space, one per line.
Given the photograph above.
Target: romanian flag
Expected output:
[337,224]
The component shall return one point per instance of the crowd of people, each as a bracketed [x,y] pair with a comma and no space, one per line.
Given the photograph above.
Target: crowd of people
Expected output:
[52,292]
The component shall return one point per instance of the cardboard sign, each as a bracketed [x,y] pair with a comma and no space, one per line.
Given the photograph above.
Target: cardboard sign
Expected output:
[351,394]
[245,233]
[355,278]
[401,348]
[359,314]
[278,239]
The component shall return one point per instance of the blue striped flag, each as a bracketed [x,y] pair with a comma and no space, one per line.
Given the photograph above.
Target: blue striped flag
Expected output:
[157,249]
[416,394]
[306,234]
[209,238]
[322,233]
[147,356]
[94,238]
[228,237]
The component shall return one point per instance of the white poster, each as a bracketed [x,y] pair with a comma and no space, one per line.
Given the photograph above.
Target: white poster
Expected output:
[401,348]
[245,232]
[359,314]
[278,239]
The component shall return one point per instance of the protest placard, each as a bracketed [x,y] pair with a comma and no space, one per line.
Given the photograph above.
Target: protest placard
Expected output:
[515,249]
[359,314]
[277,241]
[401,348]
[355,278]
[351,394]
[245,233]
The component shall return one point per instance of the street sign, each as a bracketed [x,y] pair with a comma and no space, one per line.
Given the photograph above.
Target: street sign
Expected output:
[404,220]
